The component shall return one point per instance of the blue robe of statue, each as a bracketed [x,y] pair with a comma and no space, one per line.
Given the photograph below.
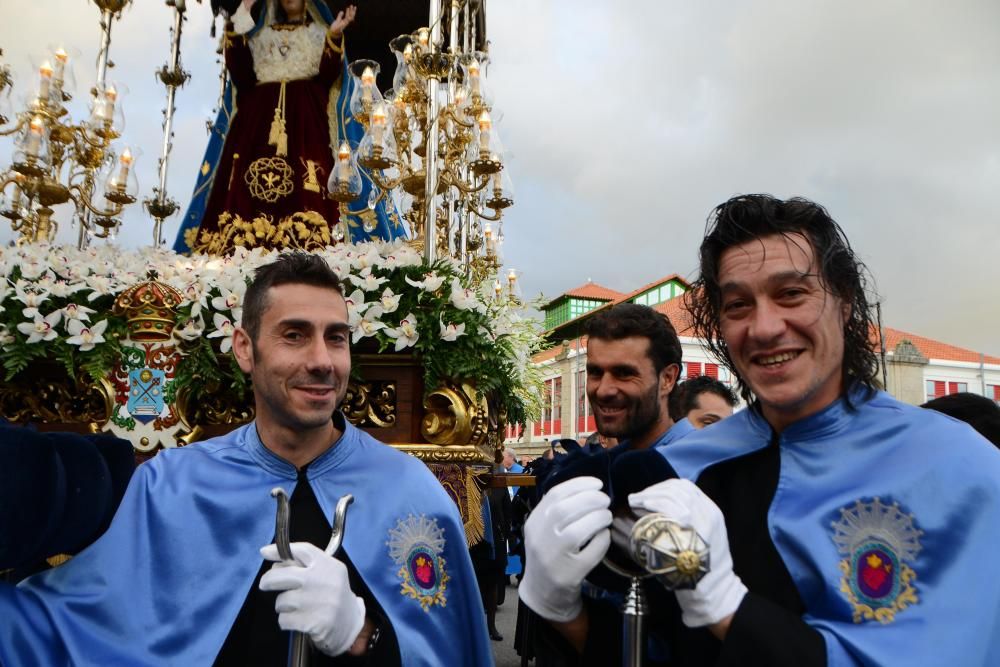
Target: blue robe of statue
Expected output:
[165,583]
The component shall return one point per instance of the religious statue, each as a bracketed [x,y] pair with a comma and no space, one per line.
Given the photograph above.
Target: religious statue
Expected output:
[263,179]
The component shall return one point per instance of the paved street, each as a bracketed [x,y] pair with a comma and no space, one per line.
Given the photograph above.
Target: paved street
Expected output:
[504,652]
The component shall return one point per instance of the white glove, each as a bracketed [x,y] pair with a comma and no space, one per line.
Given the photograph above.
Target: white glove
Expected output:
[317,598]
[720,592]
[569,516]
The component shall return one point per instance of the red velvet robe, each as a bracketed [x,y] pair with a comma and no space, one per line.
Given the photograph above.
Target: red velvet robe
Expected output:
[290,188]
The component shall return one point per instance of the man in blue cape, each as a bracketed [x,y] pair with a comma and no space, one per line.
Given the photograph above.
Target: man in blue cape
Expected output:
[843,527]
[180,577]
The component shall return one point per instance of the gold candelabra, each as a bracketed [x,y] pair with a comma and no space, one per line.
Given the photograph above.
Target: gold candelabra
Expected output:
[430,140]
[57,160]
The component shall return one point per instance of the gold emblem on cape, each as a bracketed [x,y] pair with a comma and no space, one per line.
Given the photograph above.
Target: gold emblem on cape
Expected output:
[269,179]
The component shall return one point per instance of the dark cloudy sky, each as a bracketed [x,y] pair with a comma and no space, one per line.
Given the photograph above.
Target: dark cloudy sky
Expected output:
[626,122]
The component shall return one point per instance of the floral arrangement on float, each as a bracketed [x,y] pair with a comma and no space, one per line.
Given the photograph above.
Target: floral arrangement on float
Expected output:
[57,304]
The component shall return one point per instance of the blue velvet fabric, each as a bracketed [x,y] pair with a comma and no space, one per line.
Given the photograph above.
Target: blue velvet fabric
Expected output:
[942,474]
[164,585]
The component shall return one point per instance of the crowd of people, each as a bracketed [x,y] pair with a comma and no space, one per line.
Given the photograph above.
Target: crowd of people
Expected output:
[840,526]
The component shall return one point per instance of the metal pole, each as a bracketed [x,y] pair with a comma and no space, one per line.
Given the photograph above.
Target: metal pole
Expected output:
[881,342]
[633,626]
[102,55]
[431,164]
[171,79]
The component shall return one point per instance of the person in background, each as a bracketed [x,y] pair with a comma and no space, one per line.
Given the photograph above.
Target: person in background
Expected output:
[977,411]
[702,400]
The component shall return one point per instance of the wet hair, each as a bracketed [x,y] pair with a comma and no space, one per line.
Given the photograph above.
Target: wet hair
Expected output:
[291,268]
[685,398]
[631,319]
[748,218]
[977,411]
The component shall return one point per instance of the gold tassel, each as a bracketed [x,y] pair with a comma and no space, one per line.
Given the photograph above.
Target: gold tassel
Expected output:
[282,148]
[272,137]
[278,137]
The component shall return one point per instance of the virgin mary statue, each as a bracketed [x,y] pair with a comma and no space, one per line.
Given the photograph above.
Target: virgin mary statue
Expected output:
[285,109]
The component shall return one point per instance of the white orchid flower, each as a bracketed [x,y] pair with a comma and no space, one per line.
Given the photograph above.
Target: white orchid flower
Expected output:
[74,311]
[85,337]
[451,331]
[370,258]
[196,293]
[192,329]
[406,333]
[42,328]
[389,301]
[431,283]
[355,306]
[366,281]
[368,325]
[464,299]
[98,286]
[31,296]
[227,300]
[224,328]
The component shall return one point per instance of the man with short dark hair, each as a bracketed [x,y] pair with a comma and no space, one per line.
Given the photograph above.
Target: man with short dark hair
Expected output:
[633,360]
[702,400]
[841,524]
[180,576]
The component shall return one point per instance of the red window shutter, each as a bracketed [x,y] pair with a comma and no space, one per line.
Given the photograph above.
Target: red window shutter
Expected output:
[952,387]
[996,392]
[939,389]
[694,369]
[712,371]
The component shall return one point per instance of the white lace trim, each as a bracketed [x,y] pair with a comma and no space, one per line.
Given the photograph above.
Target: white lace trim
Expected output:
[285,55]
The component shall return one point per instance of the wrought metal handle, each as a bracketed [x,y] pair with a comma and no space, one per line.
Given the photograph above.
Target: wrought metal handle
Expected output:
[339,521]
[298,652]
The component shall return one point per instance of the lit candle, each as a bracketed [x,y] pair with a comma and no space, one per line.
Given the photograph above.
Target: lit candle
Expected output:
[343,165]
[126,160]
[497,287]
[34,140]
[474,76]
[43,88]
[485,123]
[488,238]
[511,279]
[379,120]
[61,58]
[367,82]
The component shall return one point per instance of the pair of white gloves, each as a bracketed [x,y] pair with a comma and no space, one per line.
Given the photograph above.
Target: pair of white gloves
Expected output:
[316,597]
[568,534]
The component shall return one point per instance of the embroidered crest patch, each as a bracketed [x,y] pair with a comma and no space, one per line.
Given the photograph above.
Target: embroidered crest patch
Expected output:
[878,542]
[416,545]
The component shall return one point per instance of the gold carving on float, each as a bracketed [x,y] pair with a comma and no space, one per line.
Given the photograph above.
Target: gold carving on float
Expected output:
[269,179]
[455,416]
[456,422]
[305,230]
[370,404]
[37,398]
